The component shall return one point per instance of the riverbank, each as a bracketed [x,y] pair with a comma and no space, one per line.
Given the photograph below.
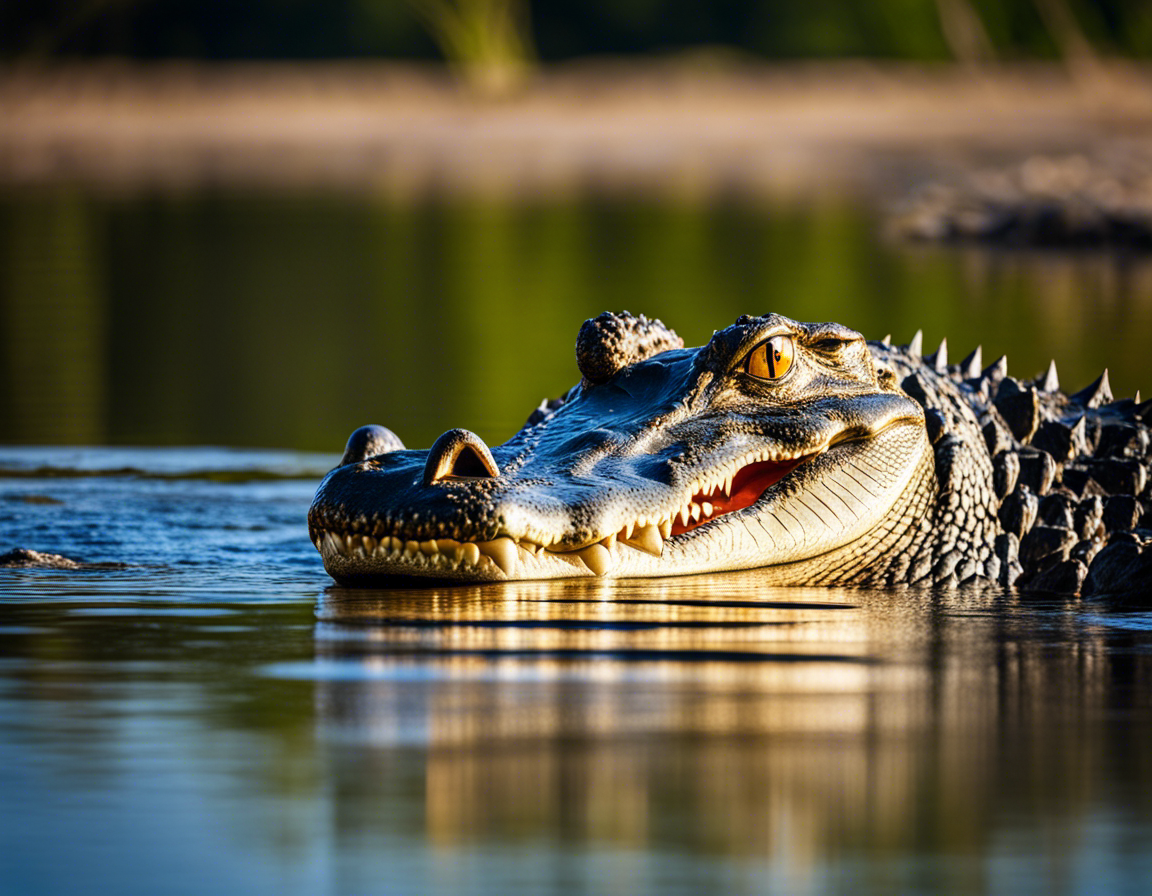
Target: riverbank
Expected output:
[695,128]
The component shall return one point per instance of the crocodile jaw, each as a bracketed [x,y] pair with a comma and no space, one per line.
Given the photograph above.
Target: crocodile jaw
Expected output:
[822,503]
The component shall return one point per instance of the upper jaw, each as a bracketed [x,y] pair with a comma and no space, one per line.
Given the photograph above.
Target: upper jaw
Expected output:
[624,516]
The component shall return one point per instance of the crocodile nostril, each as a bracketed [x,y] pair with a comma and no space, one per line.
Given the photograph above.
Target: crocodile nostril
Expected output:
[459,454]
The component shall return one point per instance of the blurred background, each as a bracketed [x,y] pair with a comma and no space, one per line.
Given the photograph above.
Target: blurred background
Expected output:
[265,223]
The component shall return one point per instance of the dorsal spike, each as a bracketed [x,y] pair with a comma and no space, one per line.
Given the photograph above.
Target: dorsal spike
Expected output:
[1136,397]
[1049,381]
[1143,410]
[997,370]
[916,346]
[1096,393]
[970,366]
[938,360]
[887,340]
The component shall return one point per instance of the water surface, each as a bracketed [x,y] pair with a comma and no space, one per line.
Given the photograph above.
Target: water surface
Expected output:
[220,716]
[259,319]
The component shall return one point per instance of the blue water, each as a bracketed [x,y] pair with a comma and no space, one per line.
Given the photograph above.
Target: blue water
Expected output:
[217,716]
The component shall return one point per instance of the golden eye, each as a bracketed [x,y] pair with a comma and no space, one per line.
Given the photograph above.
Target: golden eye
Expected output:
[771,359]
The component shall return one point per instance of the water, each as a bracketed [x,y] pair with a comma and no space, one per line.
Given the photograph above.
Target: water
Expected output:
[264,320]
[220,715]
[216,715]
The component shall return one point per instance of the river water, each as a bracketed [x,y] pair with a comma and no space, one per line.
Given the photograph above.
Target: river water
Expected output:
[218,716]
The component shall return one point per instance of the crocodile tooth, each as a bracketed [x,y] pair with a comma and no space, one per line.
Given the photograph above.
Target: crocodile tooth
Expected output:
[412,547]
[627,530]
[665,528]
[970,366]
[649,540]
[706,509]
[694,510]
[470,554]
[530,546]
[396,544]
[350,545]
[728,484]
[685,514]
[331,543]
[503,553]
[597,558]
[429,547]
[916,346]
[369,543]
[447,546]
[608,540]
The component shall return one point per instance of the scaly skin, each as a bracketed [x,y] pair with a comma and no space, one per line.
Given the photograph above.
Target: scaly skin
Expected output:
[860,464]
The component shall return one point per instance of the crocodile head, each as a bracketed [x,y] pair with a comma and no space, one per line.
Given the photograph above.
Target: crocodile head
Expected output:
[778,444]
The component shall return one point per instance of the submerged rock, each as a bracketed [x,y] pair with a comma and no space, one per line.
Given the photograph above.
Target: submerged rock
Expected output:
[22,558]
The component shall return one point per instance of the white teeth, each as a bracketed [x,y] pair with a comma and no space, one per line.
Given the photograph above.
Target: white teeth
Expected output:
[608,541]
[665,528]
[706,509]
[694,509]
[471,553]
[597,558]
[728,485]
[429,548]
[685,514]
[503,553]
[649,540]
[628,529]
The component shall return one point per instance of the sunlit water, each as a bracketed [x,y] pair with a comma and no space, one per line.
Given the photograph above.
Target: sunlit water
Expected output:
[219,717]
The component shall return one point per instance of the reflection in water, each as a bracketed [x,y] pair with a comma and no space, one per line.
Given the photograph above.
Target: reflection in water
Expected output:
[831,732]
[267,320]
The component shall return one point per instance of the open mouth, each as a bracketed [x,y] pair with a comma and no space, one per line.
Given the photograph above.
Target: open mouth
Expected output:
[745,489]
[718,493]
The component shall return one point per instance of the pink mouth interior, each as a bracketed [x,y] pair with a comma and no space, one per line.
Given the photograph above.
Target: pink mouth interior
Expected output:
[747,487]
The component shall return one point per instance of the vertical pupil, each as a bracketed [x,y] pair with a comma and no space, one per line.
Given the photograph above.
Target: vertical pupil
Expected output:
[773,359]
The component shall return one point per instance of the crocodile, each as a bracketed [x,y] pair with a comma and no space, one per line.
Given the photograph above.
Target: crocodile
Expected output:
[798,448]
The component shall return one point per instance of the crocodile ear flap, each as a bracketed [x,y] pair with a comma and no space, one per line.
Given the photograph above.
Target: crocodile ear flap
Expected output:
[609,343]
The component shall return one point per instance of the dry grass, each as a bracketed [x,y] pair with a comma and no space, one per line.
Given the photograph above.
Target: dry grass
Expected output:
[699,127]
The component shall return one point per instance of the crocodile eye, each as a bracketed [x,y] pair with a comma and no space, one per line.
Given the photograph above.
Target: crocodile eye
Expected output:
[771,359]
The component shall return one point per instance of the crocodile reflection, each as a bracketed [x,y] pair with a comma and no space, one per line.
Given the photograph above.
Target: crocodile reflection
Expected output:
[802,722]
